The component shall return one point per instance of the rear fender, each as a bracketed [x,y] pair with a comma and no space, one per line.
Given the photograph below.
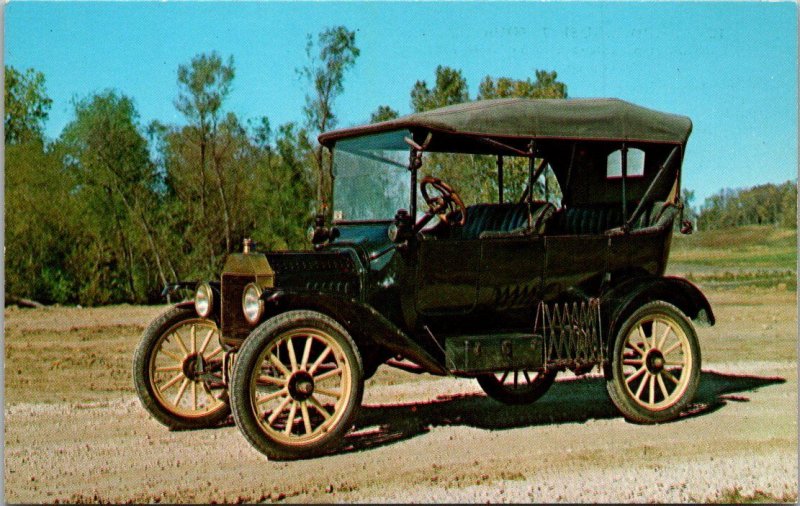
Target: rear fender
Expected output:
[625,298]
[371,331]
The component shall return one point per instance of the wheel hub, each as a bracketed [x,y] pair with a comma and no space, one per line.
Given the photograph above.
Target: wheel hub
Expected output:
[301,385]
[654,361]
[193,366]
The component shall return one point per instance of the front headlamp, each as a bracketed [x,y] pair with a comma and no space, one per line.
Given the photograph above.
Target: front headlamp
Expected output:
[203,300]
[252,305]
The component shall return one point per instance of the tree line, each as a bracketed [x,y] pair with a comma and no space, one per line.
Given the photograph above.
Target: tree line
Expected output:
[766,204]
[112,209]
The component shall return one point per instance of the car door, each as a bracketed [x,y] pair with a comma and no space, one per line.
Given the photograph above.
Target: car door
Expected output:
[447,276]
[511,275]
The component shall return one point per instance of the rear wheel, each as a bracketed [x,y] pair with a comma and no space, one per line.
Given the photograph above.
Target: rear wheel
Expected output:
[297,385]
[517,387]
[177,371]
[655,364]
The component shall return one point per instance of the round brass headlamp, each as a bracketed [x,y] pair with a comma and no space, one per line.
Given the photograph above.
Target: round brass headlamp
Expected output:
[252,305]
[204,300]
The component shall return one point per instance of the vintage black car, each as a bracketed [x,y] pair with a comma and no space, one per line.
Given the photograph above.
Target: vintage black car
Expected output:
[556,262]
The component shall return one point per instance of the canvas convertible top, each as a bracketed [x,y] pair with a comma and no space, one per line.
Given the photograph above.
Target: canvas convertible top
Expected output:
[518,118]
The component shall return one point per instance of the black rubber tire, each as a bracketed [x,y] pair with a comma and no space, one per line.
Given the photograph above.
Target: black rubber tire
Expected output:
[524,394]
[246,360]
[144,388]
[622,397]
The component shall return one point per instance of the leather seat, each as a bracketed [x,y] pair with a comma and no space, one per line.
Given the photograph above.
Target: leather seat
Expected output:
[493,220]
[589,220]
[599,219]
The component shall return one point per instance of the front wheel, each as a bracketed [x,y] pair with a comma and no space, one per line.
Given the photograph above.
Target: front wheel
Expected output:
[297,385]
[517,387]
[655,364]
[177,371]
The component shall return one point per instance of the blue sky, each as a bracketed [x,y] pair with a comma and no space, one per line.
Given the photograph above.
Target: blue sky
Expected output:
[731,67]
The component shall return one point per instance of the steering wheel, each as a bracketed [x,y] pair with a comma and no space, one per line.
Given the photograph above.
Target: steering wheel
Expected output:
[444,203]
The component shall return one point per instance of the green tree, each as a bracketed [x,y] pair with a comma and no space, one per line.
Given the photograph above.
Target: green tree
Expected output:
[689,212]
[788,204]
[283,193]
[204,232]
[26,105]
[334,53]
[383,113]
[40,225]
[450,88]
[546,85]
[262,132]
[268,179]
[758,205]
[115,181]
[204,85]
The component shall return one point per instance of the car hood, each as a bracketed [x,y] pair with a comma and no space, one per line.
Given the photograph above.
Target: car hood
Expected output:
[324,271]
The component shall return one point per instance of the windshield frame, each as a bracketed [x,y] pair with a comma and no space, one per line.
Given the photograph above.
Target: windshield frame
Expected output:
[367,149]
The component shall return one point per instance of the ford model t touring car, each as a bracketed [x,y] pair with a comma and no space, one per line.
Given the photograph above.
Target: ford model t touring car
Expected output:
[502,240]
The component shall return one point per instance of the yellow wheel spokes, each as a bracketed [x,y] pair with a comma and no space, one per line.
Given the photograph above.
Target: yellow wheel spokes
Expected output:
[656,361]
[177,352]
[300,386]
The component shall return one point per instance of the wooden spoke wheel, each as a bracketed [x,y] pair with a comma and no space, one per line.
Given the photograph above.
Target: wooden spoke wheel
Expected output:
[178,371]
[656,364]
[297,384]
[517,386]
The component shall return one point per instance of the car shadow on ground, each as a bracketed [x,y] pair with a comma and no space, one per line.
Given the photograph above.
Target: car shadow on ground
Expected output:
[568,401]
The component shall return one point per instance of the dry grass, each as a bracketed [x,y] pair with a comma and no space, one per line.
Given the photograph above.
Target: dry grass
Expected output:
[749,235]
[755,256]
[59,354]
[745,248]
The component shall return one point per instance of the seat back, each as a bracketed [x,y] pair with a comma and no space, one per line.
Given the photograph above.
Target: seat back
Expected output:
[599,219]
[589,220]
[503,218]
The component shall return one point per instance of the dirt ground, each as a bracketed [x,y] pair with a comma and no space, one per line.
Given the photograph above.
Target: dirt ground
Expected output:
[75,432]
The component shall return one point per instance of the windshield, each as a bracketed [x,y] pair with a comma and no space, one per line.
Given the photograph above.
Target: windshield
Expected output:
[371,178]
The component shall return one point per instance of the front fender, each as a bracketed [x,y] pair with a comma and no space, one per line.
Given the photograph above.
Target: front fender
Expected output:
[187,304]
[369,328]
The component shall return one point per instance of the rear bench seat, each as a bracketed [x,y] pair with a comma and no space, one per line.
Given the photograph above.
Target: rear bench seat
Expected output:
[599,219]
[508,219]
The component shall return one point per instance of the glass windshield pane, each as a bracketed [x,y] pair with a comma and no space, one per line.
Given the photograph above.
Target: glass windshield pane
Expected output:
[371,178]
